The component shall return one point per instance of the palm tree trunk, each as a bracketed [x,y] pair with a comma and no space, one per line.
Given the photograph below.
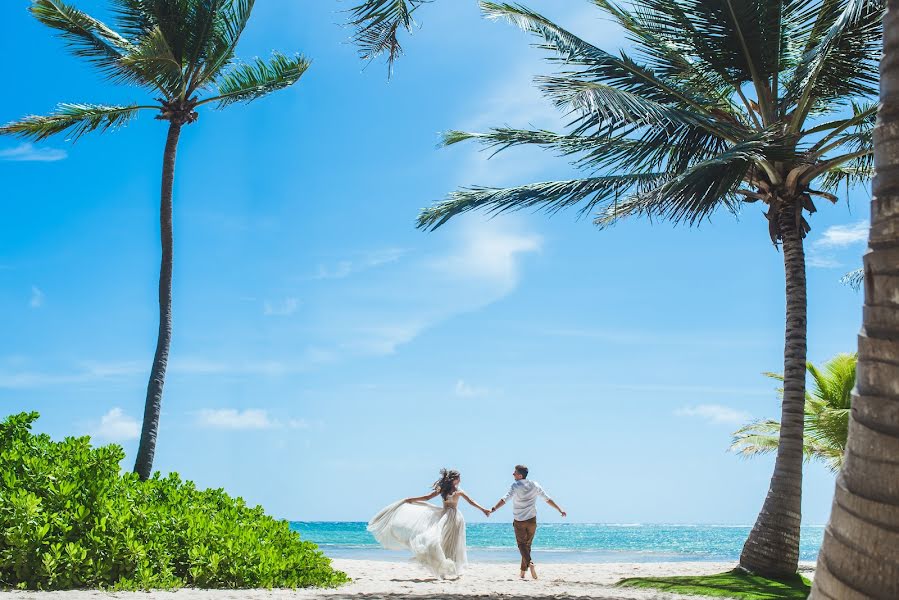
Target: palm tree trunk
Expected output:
[143,466]
[772,549]
[860,555]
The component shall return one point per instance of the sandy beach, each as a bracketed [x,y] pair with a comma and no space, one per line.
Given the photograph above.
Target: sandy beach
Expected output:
[394,580]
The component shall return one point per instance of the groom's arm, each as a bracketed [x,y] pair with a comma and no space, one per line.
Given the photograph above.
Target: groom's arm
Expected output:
[498,505]
[552,503]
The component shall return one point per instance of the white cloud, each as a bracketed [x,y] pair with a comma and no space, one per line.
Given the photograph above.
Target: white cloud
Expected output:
[229,418]
[715,413]
[341,270]
[465,390]
[116,426]
[37,297]
[370,260]
[308,359]
[820,252]
[87,372]
[840,236]
[489,252]
[821,261]
[284,308]
[481,266]
[27,152]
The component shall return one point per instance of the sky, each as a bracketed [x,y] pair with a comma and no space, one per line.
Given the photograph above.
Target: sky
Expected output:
[328,358]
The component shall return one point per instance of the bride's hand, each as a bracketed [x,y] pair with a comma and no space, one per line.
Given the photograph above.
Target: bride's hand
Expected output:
[486,512]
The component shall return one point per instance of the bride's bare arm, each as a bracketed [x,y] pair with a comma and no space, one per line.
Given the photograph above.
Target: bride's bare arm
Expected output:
[421,498]
[473,503]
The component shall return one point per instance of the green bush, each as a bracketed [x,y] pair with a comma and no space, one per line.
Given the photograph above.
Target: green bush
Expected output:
[70,519]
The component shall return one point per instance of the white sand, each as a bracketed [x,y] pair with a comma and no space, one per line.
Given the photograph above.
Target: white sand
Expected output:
[394,580]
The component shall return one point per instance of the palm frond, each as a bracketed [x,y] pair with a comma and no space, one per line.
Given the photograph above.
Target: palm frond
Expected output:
[854,172]
[854,279]
[377,24]
[607,109]
[87,37]
[843,63]
[620,72]
[692,195]
[231,21]
[758,437]
[250,82]
[827,408]
[550,196]
[666,54]
[76,119]
[155,62]
[134,17]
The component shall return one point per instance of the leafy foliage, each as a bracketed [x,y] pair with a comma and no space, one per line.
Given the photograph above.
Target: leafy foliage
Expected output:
[69,519]
[827,407]
[854,279]
[377,24]
[248,82]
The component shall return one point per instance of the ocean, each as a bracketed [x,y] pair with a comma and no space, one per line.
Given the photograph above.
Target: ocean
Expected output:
[566,542]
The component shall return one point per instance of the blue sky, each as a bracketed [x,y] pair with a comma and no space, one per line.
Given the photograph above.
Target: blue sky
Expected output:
[327,357]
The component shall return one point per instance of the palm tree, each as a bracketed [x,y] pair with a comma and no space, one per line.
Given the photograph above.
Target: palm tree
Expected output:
[178,50]
[727,102]
[860,554]
[827,408]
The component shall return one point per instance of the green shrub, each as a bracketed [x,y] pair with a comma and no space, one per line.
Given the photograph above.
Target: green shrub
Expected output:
[70,519]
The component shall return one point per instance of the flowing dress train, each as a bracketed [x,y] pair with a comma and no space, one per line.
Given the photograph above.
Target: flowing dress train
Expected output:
[435,535]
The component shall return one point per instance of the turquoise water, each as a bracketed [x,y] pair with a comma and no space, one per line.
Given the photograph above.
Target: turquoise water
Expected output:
[567,542]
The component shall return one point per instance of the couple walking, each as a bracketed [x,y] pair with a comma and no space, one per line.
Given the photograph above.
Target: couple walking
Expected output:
[436,535]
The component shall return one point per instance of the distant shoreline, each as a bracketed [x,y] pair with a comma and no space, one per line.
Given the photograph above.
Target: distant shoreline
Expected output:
[580,543]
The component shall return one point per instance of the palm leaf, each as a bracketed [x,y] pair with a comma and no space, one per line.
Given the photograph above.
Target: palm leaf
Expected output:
[378,23]
[76,119]
[87,37]
[155,62]
[854,279]
[550,196]
[758,437]
[827,409]
[843,63]
[249,82]
[620,72]
[232,20]
[695,193]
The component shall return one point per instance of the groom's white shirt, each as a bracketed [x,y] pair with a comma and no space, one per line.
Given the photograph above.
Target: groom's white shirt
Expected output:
[524,494]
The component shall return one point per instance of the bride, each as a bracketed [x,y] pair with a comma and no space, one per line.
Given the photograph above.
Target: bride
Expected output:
[436,536]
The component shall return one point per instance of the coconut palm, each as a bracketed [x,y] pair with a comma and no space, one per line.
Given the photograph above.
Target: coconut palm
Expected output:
[826,416]
[860,554]
[726,102]
[181,52]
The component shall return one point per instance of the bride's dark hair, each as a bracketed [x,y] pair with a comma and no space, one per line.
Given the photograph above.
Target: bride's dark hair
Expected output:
[444,485]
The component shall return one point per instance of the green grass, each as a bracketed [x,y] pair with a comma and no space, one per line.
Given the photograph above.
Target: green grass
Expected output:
[733,584]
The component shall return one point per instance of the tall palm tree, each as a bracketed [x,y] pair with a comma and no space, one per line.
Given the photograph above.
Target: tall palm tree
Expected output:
[726,102]
[827,407]
[178,50]
[860,554]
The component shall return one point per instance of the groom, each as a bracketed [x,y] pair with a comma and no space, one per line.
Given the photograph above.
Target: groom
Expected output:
[524,496]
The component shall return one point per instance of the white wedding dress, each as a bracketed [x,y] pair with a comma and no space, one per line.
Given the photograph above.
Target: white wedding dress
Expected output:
[436,536]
